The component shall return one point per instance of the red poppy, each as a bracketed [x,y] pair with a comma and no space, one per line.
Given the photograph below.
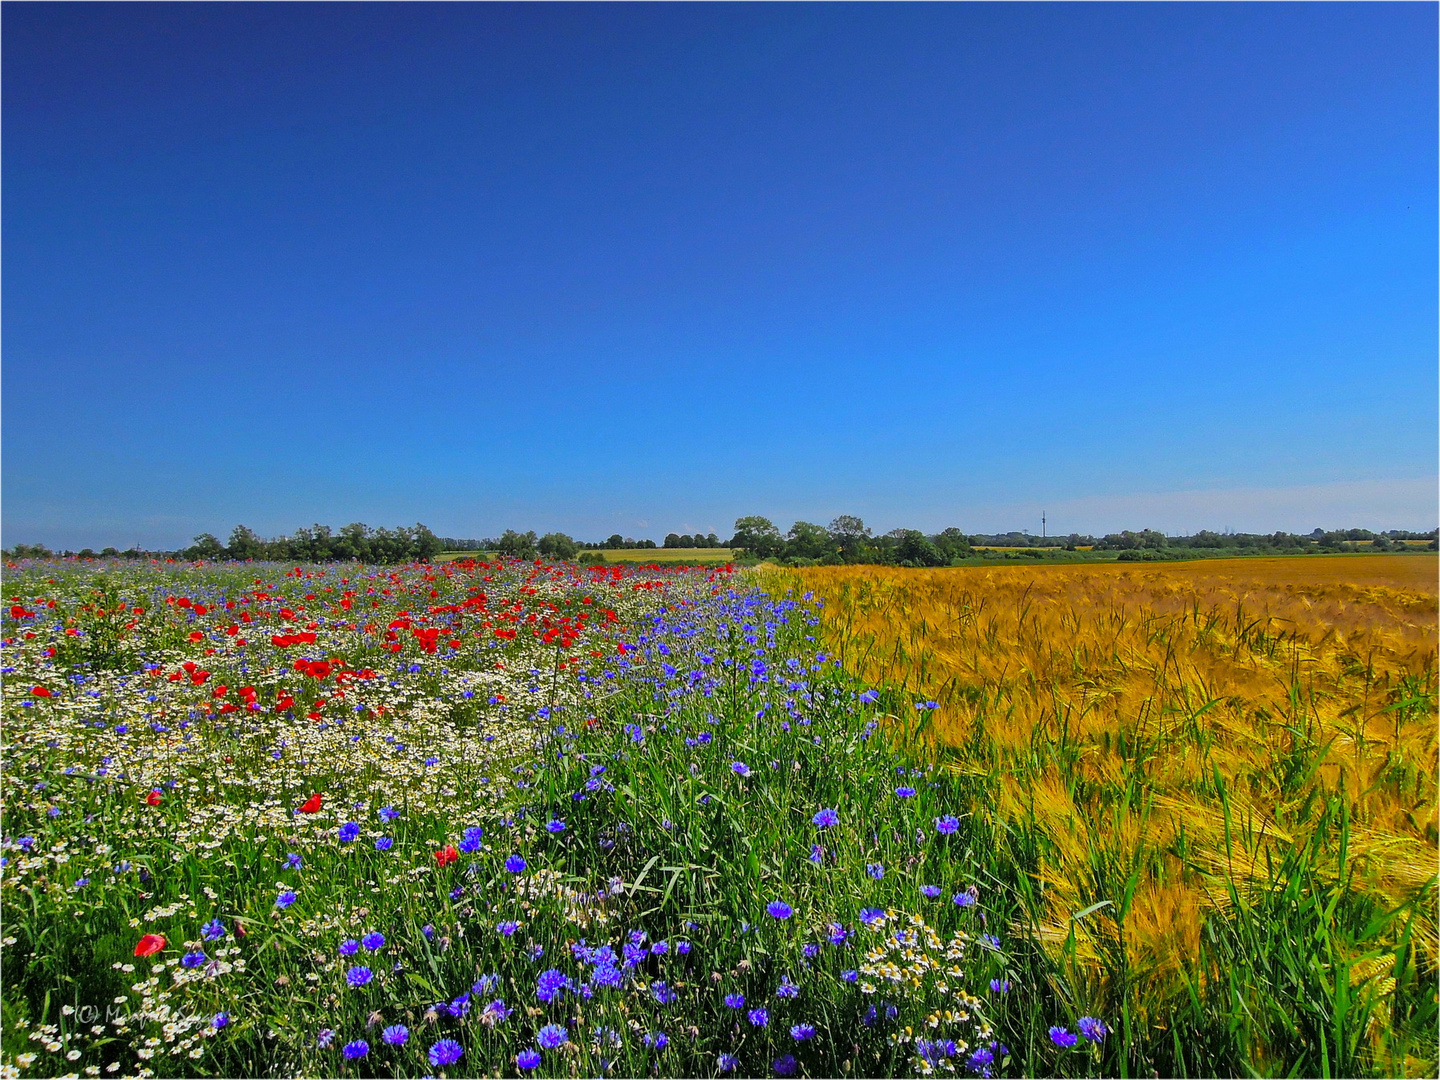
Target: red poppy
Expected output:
[149,945]
[40,691]
[153,799]
[311,805]
[446,855]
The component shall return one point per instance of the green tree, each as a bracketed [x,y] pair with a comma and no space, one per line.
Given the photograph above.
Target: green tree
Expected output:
[518,545]
[758,536]
[952,544]
[206,546]
[557,545]
[245,543]
[806,540]
[672,540]
[427,544]
[851,535]
[915,549]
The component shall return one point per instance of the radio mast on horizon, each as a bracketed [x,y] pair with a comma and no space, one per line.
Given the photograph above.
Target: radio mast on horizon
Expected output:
[1042,524]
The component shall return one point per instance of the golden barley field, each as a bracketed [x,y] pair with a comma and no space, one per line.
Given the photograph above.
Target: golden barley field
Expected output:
[1176,741]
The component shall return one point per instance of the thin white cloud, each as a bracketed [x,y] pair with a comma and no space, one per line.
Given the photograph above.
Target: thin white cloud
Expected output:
[1412,504]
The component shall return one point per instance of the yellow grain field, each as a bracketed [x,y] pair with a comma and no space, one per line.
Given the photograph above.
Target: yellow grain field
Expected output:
[1165,734]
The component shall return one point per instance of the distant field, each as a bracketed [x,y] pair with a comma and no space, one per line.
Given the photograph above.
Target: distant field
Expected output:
[667,555]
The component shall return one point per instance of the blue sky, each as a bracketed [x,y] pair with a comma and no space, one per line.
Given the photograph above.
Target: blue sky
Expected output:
[648,268]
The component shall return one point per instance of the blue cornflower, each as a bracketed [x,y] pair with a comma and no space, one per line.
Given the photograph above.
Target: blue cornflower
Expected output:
[396,1034]
[810,950]
[786,989]
[785,1065]
[349,832]
[192,959]
[850,975]
[660,948]
[869,697]
[446,1052]
[875,870]
[778,909]
[726,1063]
[739,768]
[802,1032]
[285,899]
[1092,1028]
[947,824]
[470,842]
[373,940]
[905,792]
[607,976]
[1062,1038]
[527,1060]
[817,853]
[324,1038]
[507,927]
[735,1001]
[930,891]
[220,1020]
[981,1060]
[1002,986]
[826,818]
[551,985]
[682,948]
[213,930]
[389,813]
[662,993]
[383,844]
[964,899]
[515,864]
[758,1017]
[657,1041]
[359,976]
[357,1049]
[552,1035]
[349,947]
[871,915]
[293,861]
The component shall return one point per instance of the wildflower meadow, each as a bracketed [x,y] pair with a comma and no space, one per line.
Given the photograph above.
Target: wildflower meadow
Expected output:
[483,818]
[515,818]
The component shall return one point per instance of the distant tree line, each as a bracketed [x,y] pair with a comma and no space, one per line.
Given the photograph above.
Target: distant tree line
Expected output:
[847,539]
[355,542]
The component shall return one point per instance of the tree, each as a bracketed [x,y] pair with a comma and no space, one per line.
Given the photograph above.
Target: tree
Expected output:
[615,542]
[915,549]
[809,541]
[427,544]
[245,543]
[206,546]
[851,534]
[686,541]
[672,540]
[758,536]
[557,545]
[952,544]
[517,545]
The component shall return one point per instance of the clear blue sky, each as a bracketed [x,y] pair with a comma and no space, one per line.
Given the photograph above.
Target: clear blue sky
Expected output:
[648,268]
